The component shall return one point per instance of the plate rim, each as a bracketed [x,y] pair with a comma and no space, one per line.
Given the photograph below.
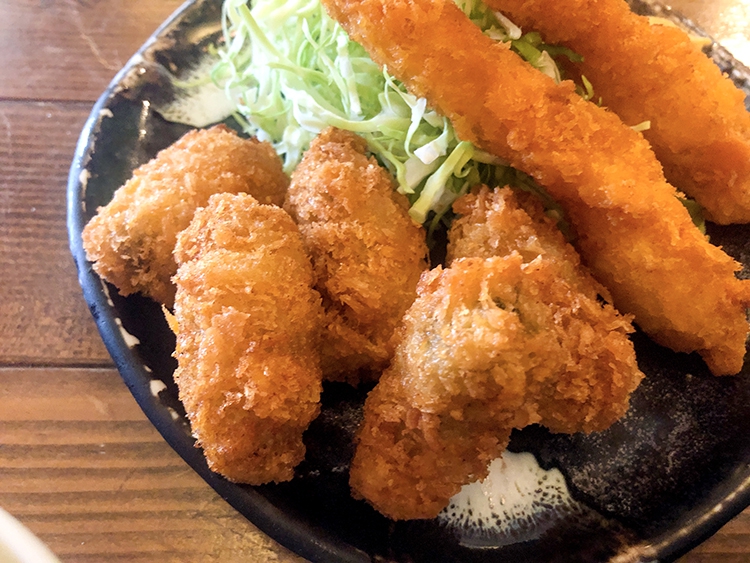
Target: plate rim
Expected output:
[296,535]
[317,545]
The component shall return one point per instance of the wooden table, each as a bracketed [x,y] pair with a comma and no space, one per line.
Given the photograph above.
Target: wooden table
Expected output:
[79,463]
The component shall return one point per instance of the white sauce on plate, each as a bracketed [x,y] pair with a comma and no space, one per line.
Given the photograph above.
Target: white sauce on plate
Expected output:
[518,501]
[198,102]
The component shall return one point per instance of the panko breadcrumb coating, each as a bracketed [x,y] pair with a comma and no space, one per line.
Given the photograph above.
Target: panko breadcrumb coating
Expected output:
[600,370]
[700,129]
[248,328]
[482,351]
[131,239]
[366,252]
[633,232]
[500,221]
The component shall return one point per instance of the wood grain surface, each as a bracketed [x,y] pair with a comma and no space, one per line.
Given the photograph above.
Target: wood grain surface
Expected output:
[79,463]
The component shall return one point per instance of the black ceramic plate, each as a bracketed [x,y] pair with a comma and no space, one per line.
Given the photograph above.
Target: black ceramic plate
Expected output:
[658,482]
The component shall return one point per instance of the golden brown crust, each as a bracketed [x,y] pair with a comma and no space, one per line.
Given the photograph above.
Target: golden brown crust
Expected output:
[489,345]
[633,233]
[366,251]
[600,371]
[248,330]
[500,221]
[700,129]
[131,239]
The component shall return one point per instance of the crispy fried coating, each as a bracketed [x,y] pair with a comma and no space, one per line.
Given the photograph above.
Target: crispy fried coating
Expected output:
[131,239]
[600,370]
[248,329]
[633,233]
[366,252]
[500,221]
[485,348]
[700,129]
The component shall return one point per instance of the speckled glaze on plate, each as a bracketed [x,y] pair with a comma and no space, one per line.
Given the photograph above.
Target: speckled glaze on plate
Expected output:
[664,478]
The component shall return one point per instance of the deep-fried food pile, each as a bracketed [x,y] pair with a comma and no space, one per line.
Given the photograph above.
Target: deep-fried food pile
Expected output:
[248,328]
[366,252]
[633,232]
[130,240]
[511,337]
[514,329]
[699,128]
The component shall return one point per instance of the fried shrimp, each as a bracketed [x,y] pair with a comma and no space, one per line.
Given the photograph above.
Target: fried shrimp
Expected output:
[486,347]
[632,231]
[366,252]
[699,127]
[130,240]
[600,372]
[248,326]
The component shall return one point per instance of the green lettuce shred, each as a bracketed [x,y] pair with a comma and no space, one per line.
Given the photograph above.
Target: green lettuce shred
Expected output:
[293,71]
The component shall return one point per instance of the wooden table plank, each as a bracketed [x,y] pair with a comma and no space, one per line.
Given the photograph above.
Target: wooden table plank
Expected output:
[731,544]
[43,318]
[70,50]
[79,463]
[85,470]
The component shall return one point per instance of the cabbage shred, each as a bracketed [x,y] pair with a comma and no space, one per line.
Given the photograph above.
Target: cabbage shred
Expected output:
[293,71]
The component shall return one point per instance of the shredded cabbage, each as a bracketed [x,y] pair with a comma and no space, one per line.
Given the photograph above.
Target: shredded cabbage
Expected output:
[293,71]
